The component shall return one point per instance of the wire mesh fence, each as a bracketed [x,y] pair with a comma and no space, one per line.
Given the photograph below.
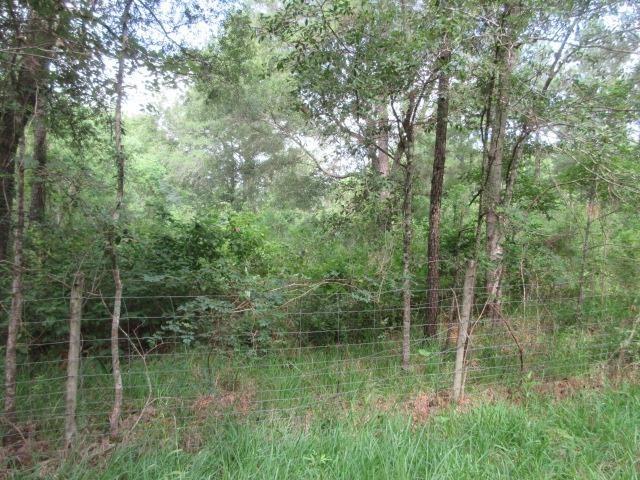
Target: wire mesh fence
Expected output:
[188,360]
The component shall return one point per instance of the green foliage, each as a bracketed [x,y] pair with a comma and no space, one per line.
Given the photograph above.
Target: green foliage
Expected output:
[234,238]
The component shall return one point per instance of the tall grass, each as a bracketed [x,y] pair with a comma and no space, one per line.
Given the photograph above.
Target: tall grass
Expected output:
[593,435]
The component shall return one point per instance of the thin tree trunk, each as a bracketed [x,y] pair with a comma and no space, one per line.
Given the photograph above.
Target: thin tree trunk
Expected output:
[605,258]
[11,128]
[114,418]
[505,64]
[456,273]
[537,158]
[73,360]
[380,157]
[512,174]
[504,60]
[585,251]
[407,228]
[435,198]
[38,187]
[463,331]
[15,315]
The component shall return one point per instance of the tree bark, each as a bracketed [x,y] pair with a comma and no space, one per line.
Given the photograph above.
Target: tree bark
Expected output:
[380,153]
[114,418]
[73,360]
[407,229]
[463,331]
[38,186]
[516,158]
[456,272]
[11,128]
[504,61]
[17,110]
[435,199]
[15,315]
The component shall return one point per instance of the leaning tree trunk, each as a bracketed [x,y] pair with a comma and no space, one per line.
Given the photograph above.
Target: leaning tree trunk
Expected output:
[114,418]
[435,198]
[407,229]
[15,315]
[38,188]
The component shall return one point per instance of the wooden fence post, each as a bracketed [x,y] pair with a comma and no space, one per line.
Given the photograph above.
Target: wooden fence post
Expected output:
[465,316]
[73,360]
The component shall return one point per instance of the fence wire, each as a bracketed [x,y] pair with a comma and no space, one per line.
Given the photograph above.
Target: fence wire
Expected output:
[251,361]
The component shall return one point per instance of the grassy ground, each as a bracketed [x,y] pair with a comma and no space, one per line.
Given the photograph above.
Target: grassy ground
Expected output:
[346,411]
[591,434]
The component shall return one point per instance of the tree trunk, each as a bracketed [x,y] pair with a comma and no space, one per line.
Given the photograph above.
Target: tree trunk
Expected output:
[73,360]
[8,145]
[504,60]
[585,250]
[407,229]
[12,128]
[17,108]
[456,271]
[114,418]
[15,315]
[463,331]
[380,153]
[537,159]
[38,187]
[435,199]
[516,158]
[605,258]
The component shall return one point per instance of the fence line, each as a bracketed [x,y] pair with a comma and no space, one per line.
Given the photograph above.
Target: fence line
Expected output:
[414,307]
[267,350]
[540,367]
[259,295]
[317,372]
[310,375]
[352,349]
